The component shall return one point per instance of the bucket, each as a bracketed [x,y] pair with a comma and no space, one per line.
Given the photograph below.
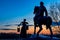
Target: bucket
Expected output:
[18,29]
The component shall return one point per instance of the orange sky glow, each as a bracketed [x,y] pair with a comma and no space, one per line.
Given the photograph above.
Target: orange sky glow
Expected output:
[55,30]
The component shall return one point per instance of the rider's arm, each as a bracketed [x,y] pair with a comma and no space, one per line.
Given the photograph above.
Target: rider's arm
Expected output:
[46,13]
[26,22]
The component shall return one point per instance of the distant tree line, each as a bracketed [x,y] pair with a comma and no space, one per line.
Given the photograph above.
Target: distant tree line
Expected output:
[54,12]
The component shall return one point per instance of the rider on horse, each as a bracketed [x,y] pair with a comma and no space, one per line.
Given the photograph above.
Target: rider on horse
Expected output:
[40,19]
[39,12]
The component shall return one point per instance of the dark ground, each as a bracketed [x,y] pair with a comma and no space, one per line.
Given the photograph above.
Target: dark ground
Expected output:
[10,36]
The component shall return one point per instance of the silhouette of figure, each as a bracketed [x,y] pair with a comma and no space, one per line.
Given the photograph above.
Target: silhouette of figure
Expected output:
[40,19]
[39,11]
[24,28]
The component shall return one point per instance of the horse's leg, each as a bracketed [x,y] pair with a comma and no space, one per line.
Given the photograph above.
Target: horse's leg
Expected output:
[50,30]
[34,28]
[40,29]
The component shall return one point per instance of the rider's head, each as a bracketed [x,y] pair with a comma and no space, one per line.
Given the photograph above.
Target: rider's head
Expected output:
[24,19]
[41,3]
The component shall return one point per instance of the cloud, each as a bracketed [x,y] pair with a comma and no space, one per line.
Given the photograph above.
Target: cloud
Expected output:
[7,29]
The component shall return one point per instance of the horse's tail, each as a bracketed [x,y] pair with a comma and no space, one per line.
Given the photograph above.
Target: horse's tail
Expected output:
[49,20]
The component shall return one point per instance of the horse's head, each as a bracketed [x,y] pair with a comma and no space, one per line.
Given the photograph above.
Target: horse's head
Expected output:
[36,9]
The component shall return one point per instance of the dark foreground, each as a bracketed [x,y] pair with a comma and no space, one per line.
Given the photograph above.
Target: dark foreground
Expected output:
[10,36]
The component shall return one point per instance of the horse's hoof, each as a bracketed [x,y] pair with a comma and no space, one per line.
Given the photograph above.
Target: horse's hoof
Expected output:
[34,33]
[37,35]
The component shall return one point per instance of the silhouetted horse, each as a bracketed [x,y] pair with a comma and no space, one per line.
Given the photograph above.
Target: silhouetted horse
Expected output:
[39,21]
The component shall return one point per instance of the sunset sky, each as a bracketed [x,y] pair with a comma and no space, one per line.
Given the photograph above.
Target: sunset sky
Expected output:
[14,11]
[30,30]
